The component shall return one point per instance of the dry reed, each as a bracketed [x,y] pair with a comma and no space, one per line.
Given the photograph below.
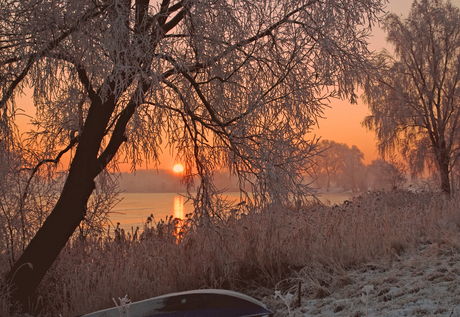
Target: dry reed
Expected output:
[256,252]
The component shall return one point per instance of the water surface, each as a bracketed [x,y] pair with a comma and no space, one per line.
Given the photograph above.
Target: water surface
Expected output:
[134,208]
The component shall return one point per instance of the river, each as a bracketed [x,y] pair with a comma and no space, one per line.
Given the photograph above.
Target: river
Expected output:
[134,208]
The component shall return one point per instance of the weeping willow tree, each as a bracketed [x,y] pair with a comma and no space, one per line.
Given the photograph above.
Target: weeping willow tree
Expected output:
[224,84]
[414,95]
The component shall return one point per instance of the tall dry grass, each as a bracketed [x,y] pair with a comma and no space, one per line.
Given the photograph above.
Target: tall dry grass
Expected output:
[253,252]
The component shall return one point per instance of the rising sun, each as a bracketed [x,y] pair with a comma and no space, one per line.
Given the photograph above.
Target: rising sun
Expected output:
[178,168]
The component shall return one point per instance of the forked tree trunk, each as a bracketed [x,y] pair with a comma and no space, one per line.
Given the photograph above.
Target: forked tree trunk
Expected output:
[70,209]
[88,162]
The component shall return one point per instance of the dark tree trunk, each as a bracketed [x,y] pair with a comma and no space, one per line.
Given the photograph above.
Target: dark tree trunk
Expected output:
[69,211]
[443,158]
[88,162]
[46,245]
[445,181]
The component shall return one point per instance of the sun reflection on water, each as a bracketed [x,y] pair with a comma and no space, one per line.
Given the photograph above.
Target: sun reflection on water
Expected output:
[179,207]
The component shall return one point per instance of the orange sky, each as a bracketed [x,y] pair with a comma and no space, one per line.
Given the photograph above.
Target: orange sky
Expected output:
[343,123]
[343,120]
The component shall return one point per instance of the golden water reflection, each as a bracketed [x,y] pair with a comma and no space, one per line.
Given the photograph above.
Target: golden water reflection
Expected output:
[179,207]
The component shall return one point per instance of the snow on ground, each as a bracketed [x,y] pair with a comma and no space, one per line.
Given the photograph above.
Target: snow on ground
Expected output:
[424,284]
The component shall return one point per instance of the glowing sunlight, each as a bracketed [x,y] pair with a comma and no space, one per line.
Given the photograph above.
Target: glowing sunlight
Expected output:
[178,168]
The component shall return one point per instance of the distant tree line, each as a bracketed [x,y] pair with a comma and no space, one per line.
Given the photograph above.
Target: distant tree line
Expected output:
[342,166]
[165,181]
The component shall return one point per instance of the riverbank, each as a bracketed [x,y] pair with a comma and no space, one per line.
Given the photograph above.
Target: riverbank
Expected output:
[372,242]
[420,283]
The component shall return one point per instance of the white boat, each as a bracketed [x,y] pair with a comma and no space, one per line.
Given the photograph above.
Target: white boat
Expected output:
[196,303]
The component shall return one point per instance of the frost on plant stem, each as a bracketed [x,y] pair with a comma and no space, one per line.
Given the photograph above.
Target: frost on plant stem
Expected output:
[287,299]
[365,296]
[125,302]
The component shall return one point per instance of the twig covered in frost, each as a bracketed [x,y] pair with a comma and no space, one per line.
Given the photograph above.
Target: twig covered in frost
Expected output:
[365,296]
[286,300]
[125,302]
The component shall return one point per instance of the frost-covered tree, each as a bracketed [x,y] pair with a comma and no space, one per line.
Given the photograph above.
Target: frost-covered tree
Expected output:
[387,175]
[414,96]
[329,162]
[353,173]
[225,84]
[28,194]
[341,165]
